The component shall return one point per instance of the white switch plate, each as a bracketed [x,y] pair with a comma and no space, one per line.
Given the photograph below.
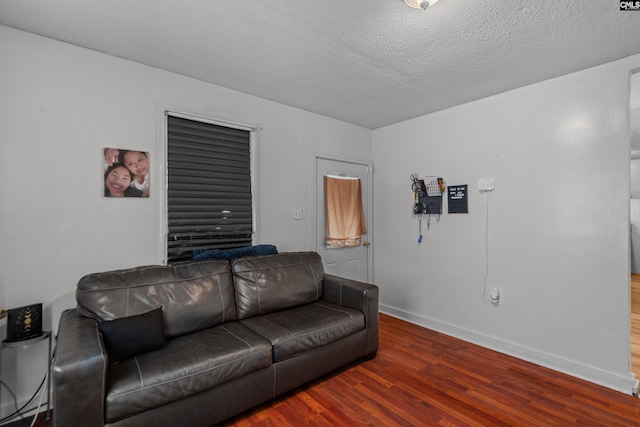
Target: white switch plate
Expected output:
[297,213]
[487,184]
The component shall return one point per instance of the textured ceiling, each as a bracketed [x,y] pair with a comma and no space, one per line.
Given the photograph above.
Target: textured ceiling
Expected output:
[368,62]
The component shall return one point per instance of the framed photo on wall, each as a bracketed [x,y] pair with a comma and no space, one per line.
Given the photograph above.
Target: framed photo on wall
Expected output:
[125,172]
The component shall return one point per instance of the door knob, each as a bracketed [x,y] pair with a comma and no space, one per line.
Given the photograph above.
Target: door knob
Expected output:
[365,244]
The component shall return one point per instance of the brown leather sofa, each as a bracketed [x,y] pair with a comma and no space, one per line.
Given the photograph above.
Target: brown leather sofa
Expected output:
[233,335]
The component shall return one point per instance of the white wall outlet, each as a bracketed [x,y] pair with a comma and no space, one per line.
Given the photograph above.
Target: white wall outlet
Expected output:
[297,213]
[495,296]
[486,184]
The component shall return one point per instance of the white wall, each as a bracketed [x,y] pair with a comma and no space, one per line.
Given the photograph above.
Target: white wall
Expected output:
[634,122]
[558,223]
[558,219]
[60,106]
[635,215]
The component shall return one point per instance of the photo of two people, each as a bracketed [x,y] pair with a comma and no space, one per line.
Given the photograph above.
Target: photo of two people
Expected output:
[126,173]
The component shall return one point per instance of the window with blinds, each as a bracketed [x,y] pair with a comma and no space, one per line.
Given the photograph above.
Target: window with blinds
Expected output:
[209,202]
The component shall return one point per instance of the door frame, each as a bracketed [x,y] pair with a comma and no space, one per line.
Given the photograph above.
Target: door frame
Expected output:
[369,207]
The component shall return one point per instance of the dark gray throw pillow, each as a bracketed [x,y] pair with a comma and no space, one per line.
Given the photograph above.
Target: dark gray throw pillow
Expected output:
[131,336]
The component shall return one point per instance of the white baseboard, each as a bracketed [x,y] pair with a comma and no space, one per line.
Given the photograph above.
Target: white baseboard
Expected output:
[626,384]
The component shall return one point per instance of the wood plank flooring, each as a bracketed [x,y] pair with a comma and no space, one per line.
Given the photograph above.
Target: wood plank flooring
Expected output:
[423,378]
[635,324]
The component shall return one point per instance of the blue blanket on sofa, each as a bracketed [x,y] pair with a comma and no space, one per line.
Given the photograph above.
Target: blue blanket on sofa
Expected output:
[234,253]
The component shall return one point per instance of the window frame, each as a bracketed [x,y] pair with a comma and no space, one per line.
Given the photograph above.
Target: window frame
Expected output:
[160,184]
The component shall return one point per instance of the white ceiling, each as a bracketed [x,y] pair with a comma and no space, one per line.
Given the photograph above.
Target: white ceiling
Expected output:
[368,62]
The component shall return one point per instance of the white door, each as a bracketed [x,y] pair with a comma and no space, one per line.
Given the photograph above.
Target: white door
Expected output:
[350,262]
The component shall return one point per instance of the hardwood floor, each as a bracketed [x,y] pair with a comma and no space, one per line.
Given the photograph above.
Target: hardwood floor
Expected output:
[423,378]
[635,324]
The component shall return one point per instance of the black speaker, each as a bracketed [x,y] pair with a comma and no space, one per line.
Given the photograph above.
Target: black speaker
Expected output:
[24,323]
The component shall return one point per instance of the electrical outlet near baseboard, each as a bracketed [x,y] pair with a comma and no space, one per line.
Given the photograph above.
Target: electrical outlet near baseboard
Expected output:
[495,296]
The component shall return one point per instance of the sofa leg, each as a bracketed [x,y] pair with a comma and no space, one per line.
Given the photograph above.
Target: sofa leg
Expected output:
[371,355]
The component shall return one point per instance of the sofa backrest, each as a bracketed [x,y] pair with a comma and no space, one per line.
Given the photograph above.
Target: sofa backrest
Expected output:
[193,295]
[269,283]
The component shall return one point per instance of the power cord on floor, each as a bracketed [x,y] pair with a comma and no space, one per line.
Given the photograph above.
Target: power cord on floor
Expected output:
[486,252]
[15,399]
[18,412]
[35,416]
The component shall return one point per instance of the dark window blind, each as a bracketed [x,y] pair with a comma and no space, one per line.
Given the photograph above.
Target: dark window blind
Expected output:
[209,203]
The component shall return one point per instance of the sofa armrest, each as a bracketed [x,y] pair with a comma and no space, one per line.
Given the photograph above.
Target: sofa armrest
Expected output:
[361,296]
[79,372]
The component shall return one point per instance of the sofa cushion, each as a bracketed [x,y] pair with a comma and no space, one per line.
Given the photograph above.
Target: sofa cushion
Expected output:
[133,335]
[188,365]
[303,328]
[194,295]
[270,283]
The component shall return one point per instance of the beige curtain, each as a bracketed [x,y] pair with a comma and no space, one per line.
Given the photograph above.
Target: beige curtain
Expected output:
[343,212]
